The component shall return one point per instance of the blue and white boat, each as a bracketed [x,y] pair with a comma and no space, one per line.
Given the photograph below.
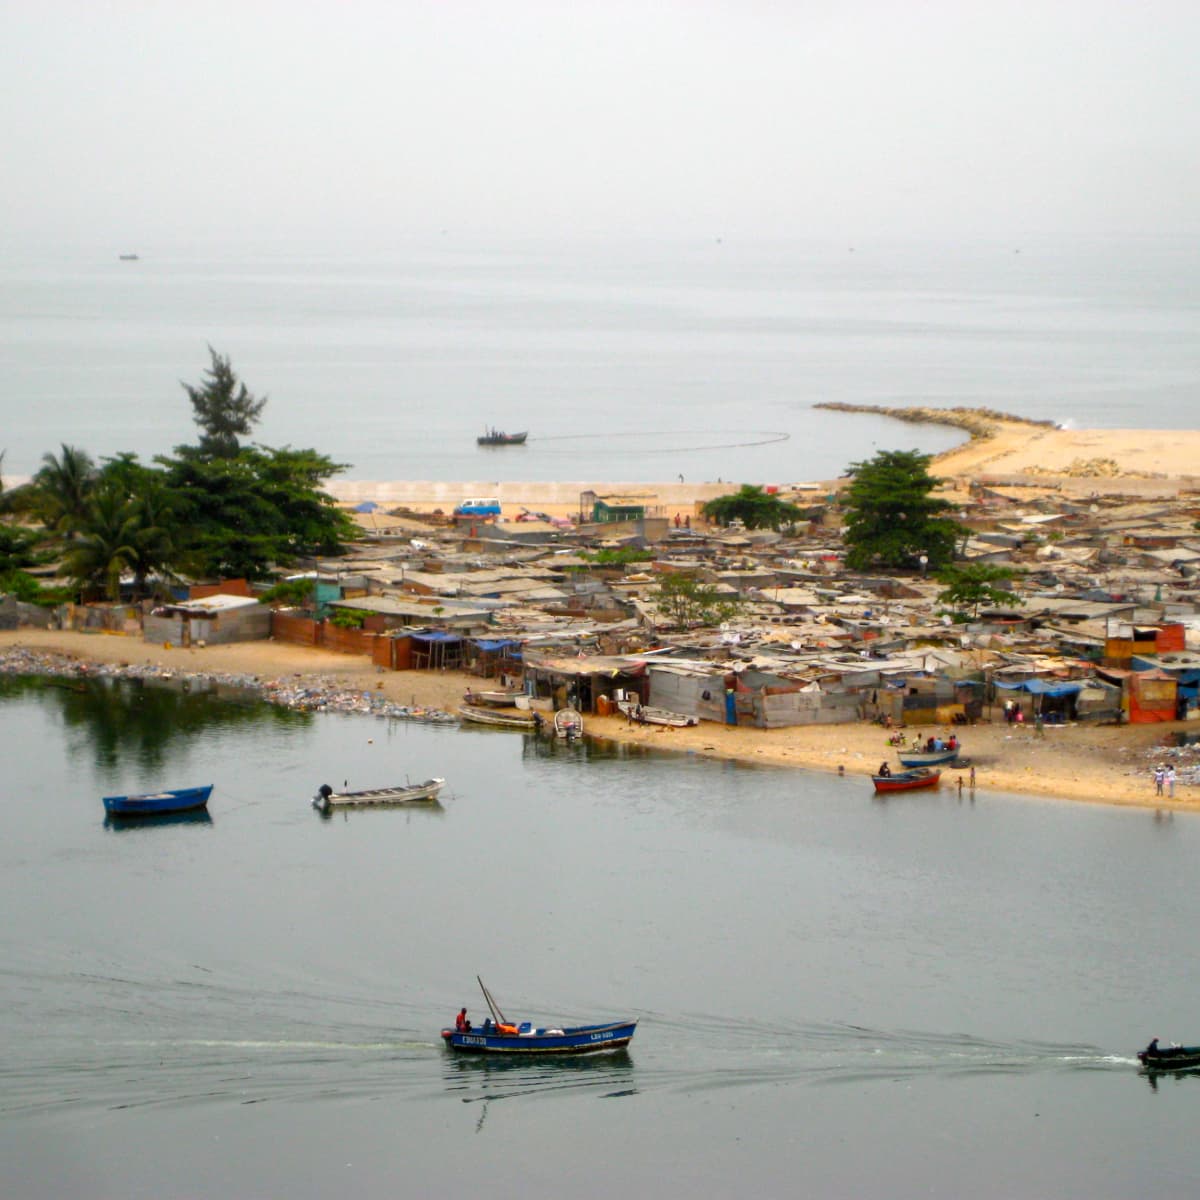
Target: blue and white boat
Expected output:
[927,758]
[499,1036]
[151,804]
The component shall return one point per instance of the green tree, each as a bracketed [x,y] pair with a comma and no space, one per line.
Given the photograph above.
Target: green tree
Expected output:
[104,549]
[223,408]
[754,507]
[892,520]
[62,489]
[970,585]
[688,602]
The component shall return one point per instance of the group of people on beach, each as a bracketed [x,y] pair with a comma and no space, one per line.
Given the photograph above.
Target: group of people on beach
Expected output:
[1164,777]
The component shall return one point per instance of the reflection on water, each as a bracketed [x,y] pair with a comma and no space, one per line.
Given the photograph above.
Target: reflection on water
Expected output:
[482,1078]
[125,722]
[120,823]
[423,808]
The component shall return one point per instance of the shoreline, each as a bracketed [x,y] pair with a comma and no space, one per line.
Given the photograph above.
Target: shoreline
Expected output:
[1081,764]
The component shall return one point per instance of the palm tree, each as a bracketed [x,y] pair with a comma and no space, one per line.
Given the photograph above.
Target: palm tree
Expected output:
[63,486]
[105,548]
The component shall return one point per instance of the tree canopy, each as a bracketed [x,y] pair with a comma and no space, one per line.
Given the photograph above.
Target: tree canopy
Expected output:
[223,408]
[892,520]
[688,602]
[971,585]
[754,507]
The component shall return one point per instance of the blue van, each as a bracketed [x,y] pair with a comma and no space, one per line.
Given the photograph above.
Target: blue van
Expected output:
[486,506]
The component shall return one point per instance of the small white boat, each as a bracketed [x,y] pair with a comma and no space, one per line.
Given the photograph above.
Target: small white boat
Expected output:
[645,714]
[568,724]
[410,793]
[507,718]
[494,699]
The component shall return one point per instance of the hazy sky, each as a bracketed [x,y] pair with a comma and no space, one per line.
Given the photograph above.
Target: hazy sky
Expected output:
[136,124]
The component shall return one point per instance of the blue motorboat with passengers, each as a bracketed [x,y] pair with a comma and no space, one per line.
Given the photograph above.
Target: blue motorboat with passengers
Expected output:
[497,1035]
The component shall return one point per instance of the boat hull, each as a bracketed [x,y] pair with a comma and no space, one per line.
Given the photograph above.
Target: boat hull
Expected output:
[154,804]
[906,781]
[514,719]
[583,1039]
[934,758]
[416,793]
[1173,1058]
[646,714]
[502,439]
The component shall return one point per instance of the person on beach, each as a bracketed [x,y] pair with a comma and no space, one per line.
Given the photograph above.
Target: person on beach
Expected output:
[1171,781]
[1160,777]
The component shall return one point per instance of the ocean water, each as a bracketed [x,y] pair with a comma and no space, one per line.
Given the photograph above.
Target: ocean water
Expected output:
[624,361]
[927,996]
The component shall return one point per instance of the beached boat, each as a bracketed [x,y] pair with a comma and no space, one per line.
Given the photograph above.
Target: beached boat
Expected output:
[906,781]
[409,793]
[493,699]
[646,714]
[508,718]
[927,758]
[1169,1058]
[568,723]
[152,804]
[497,1035]
[497,437]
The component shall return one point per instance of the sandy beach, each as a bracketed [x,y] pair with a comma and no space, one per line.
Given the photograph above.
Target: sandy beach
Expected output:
[1104,764]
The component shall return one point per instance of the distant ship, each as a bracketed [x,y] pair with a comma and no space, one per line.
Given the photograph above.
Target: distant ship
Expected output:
[497,437]
[128,257]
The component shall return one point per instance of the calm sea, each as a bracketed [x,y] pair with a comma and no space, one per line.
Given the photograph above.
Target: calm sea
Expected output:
[623,361]
[931,996]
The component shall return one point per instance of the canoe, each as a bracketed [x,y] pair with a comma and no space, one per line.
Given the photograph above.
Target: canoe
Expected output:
[409,793]
[577,1039]
[498,1035]
[508,718]
[927,758]
[494,699]
[646,714]
[906,781]
[150,804]
[1170,1058]
[497,437]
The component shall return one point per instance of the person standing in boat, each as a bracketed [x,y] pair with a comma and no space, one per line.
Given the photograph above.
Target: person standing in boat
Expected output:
[461,1024]
[884,770]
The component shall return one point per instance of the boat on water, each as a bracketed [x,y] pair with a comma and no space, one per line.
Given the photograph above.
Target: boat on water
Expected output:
[128,257]
[1169,1058]
[497,437]
[568,724]
[498,1035]
[507,718]
[409,793]
[907,781]
[153,804]
[927,758]
[648,714]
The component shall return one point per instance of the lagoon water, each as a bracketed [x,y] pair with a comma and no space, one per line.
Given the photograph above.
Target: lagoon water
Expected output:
[837,996]
[624,360]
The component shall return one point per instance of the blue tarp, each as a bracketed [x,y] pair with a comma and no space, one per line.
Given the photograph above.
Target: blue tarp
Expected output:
[1039,687]
[491,645]
[436,635]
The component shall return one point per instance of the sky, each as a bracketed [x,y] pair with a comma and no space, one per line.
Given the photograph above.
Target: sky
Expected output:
[371,121]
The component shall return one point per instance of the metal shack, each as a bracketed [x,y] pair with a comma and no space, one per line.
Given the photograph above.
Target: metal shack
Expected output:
[211,620]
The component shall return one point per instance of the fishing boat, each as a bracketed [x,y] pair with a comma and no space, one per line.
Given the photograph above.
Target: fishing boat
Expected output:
[409,793]
[568,724]
[907,781]
[927,758]
[492,699]
[151,804]
[1169,1058]
[497,437]
[647,714]
[498,1035]
[507,718]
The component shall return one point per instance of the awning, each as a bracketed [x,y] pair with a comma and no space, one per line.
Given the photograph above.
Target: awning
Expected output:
[1039,687]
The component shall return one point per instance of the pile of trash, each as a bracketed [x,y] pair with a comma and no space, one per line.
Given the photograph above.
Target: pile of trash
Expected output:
[308,694]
